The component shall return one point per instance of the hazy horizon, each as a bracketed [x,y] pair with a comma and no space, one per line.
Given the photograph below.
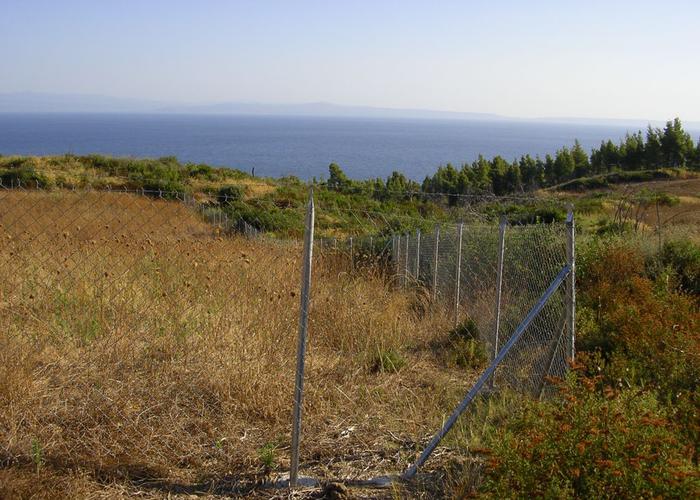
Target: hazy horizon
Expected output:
[45,103]
[630,60]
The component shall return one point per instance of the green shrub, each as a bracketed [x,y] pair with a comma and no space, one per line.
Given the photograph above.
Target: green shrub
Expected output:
[25,176]
[467,353]
[387,361]
[267,456]
[538,214]
[637,332]
[228,194]
[590,442]
[683,258]
[269,218]
[463,347]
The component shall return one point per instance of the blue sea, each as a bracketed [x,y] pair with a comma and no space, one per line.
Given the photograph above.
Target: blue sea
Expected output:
[300,146]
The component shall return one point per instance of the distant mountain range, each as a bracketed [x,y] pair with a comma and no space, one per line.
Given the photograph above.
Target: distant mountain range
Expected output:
[31,102]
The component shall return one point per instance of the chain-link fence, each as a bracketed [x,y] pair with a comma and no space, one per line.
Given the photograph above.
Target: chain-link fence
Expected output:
[138,336]
[149,323]
[511,287]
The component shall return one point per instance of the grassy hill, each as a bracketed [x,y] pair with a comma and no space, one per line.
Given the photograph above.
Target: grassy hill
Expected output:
[143,353]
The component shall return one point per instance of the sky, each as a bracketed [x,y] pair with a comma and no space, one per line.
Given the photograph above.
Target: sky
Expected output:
[632,59]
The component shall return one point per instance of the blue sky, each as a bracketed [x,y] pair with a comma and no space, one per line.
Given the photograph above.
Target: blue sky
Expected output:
[613,59]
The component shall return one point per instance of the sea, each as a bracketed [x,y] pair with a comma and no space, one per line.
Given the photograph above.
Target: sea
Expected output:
[275,146]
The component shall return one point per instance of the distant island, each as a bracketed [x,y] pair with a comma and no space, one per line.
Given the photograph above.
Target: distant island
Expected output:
[37,102]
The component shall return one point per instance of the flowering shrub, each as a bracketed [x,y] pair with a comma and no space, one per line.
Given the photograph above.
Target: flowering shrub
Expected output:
[592,442]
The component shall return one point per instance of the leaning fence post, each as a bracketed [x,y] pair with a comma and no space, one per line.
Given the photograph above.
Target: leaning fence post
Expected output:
[435,261]
[487,374]
[571,282]
[417,254]
[301,346]
[458,274]
[499,284]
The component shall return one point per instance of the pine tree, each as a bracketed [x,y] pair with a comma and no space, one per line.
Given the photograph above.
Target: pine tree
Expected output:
[499,167]
[531,172]
[563,165]
[481,174]
[653,156]
[337,180]
[513,178]
[633,151]
[582,166]
[676,144]
[550,173]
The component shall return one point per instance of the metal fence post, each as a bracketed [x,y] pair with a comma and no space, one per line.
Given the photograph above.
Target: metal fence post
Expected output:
[301,347]
[487,374]
[458,274]
[405,267]
[435,261]
[417,254]
[571,282]
[499,284]
[398,256]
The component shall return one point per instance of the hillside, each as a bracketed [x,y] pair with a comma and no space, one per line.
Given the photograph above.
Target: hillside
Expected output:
[145,351]
[141,350]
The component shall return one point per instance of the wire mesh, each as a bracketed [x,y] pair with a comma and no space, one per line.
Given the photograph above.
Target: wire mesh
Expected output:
[467,287]
[123,306]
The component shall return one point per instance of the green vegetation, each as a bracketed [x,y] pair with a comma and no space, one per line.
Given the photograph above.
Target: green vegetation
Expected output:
[591,442]
[387,361]
[267,456]
[465,349]
[350,206]
[626,422]
[671,147]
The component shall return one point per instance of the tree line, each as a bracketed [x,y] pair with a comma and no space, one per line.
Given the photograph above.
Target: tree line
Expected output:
[658,148]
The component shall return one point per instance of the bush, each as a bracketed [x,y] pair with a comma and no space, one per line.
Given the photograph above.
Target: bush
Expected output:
[228,194]
[682,257]
[591,442]
[465,347]
[25,176]
[387,361]
[522,214]
[268,219]
[636,332]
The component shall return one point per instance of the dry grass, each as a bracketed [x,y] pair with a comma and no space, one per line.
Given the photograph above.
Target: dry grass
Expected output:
[142,353]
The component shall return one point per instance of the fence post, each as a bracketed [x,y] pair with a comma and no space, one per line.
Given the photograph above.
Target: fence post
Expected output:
[405,267]
[487,374]
[435,261]
[371,246]
[301,347]
[352,259]
[398,256]
[417,254]
[458,274]
[499,284]
[571,282]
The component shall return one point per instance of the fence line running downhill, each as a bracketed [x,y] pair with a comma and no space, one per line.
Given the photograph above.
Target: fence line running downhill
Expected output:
[511,287]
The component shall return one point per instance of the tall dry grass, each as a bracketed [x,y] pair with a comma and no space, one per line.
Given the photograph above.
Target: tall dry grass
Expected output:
[140,351]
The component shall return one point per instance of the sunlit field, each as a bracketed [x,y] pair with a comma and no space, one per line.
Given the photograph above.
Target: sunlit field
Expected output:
[141,351]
